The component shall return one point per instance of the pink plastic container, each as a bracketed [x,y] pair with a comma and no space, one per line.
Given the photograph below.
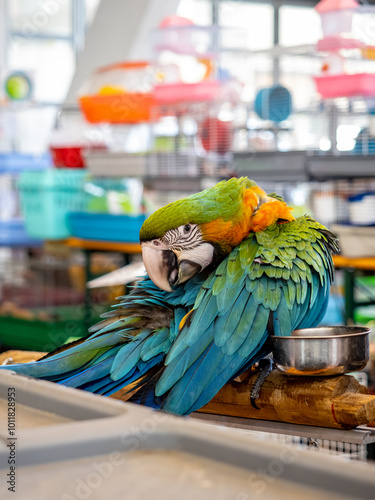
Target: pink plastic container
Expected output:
[360,84]
[186,92]
[332,43]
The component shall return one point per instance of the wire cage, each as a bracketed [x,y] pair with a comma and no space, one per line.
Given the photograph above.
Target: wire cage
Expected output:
[40,308]
[331,86]
[343,126]
[346,205]
[339,126]
[342,449]
[346,445]
[192,140]
[42,296]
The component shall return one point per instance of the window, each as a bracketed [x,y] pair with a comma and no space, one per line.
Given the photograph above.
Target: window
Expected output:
[255,18]
[299,25]
[44,38]
[32,17]
[51,64]
[199,11]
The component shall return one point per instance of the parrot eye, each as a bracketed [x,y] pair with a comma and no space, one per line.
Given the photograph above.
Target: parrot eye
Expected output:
[187,228]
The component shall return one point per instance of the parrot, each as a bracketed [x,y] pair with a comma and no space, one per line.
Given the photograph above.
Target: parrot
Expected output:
[227,268]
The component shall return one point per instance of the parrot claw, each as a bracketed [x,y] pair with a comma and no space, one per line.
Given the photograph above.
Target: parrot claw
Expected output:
[265,368]
[253,403]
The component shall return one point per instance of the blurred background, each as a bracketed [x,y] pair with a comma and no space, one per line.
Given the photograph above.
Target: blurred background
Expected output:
[110,109]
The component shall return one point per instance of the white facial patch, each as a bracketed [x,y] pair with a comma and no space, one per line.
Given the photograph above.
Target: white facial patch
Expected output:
[202,255]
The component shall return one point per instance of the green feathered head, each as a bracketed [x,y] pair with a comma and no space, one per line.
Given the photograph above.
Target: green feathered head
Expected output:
[222,201]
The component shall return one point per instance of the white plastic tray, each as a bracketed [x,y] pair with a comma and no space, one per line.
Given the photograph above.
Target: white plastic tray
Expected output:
[88,446]
[116,164]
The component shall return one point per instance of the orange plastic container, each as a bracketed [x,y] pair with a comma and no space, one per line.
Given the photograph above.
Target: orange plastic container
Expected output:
[120,93]
[128,108]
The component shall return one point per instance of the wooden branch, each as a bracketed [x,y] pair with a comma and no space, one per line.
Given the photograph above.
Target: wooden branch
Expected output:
[338,402]
[20,356]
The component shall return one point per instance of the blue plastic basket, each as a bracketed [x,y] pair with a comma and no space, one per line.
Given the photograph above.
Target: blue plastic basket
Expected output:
[107,227]
[48,197]
[13,233]
[19,162]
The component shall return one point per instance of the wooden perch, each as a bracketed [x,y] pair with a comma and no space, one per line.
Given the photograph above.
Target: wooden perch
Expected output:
[339,402]
[10,357]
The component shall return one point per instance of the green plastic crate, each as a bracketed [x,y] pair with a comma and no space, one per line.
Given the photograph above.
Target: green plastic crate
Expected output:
[48,197]
[37,335]
[365,314]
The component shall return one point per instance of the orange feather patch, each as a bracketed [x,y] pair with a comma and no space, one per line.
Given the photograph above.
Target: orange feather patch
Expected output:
[253,196]
[223,232]
[230,233]
[270,212]
[258,211]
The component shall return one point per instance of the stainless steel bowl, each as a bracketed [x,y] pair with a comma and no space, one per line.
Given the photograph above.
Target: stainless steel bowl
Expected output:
[323,351]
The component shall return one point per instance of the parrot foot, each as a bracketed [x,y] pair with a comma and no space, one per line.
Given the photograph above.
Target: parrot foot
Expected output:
[265,368]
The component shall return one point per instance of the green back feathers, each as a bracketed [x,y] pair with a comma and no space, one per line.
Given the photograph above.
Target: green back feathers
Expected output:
[302,241]
[224,200]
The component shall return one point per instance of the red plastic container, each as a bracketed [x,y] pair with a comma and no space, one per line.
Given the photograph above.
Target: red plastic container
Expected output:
[68,157]
[72,156]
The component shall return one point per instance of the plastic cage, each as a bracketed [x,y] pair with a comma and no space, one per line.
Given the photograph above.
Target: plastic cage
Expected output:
[119,93]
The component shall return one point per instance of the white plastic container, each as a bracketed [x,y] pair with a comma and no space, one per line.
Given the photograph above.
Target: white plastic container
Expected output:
[362,209]
[356,242]
[336,16]
[337,22]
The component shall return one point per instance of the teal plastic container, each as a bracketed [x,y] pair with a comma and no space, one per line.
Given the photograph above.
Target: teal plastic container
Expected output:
[48,197]
[107,227]
[273,103]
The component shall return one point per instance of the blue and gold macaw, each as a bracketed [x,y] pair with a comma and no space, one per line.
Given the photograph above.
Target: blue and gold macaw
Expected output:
[226,268]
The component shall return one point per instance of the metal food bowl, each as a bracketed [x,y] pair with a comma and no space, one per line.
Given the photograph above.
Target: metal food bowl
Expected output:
[331,350]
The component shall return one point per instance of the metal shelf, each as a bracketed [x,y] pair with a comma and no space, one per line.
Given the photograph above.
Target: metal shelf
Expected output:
[177,183]
[329,167]
[272,166]
[361,435]
[302,166]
